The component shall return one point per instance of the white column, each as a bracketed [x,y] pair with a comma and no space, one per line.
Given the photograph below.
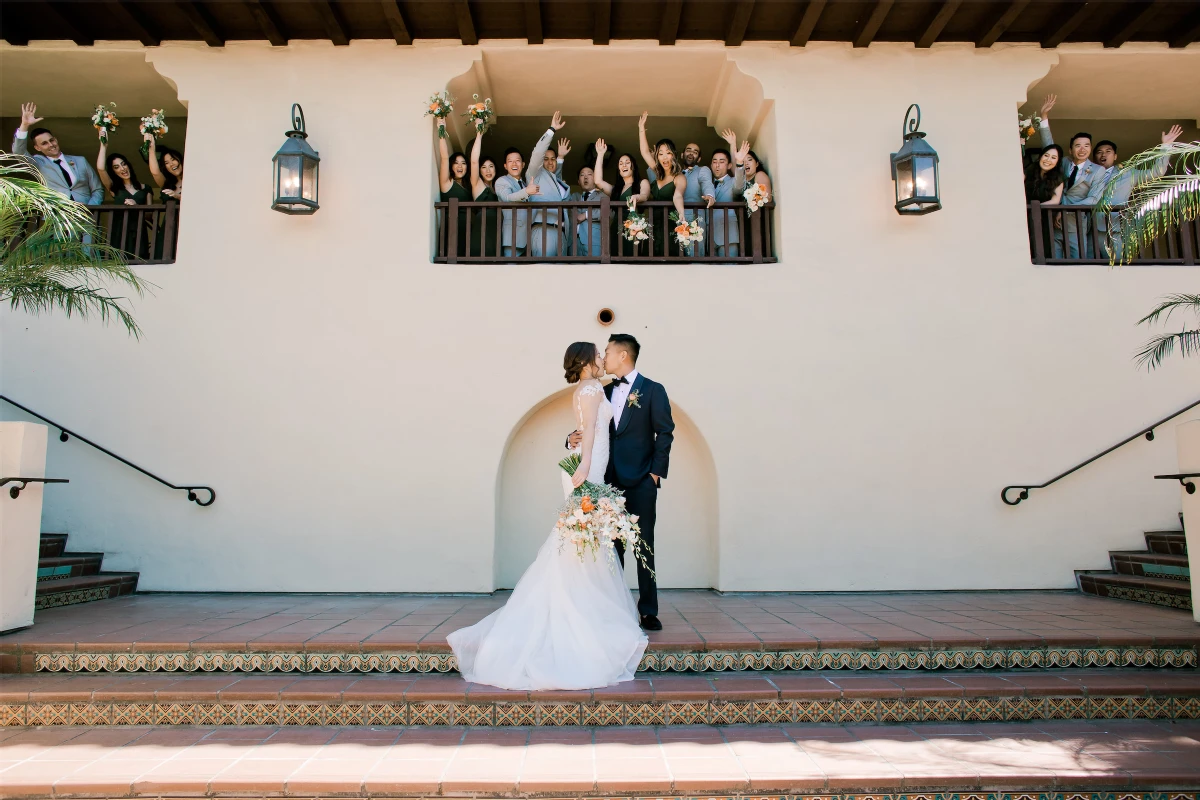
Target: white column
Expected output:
[1187,441]
[22,455]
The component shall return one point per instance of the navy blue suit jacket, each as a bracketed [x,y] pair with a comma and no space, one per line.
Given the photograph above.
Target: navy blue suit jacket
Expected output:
[641,444]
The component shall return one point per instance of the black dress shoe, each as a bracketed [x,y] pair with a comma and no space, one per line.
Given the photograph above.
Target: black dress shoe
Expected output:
[651,623]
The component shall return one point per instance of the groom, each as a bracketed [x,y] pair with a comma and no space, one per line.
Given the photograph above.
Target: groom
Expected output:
[640,437]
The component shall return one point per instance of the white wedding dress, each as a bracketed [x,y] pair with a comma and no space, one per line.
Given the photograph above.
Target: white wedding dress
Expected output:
[569,624]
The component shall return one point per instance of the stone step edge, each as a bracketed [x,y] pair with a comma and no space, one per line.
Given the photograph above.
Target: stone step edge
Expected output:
[657,661]
[604,713]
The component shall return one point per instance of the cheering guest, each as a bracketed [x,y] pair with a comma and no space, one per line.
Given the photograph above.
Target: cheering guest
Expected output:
[699,179]
[545,233]
[667,182]
[1117,194]
[1044,177]
[756,171]
[70,176]
[452,176]
[166,167]
[511,188]
[728,189]
[119,179]
[587,235]
[633,187]
[483,176]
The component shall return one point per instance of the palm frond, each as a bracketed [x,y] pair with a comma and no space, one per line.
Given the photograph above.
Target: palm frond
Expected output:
[1170,305]
[1156,203]
[1155,351]
[50,259]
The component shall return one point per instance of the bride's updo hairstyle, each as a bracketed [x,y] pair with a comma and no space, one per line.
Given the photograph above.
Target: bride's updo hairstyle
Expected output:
[578,357]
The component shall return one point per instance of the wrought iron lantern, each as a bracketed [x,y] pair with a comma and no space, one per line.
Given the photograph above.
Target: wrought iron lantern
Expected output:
[296,166]
[915,170]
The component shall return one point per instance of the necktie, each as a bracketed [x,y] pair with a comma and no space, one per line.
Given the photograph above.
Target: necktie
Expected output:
[1074,172]
[521,182]
[62,168]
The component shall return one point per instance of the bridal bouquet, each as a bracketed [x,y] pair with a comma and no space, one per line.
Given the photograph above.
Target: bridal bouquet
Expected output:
[1028,127]
[480,114]
[105,120]
[440,106]
[687,233]
[156,125]
[594,519]
[756,196]
[637,227]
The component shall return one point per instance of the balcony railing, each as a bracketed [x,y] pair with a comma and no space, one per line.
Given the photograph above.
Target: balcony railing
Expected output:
[482,233]
[146,233]
[1061,234]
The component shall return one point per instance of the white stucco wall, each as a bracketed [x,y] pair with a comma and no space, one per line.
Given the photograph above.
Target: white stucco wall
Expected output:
[863,400]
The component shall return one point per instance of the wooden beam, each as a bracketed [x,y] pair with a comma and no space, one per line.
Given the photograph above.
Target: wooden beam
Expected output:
[201,23]
[137,24]
[395,20]
[1189,31]
[268,23]
[939,22]
[669,30]
[808,22]
[1134,25]
[533,21]
[60,14]
[12,32]
[601,21]
[1059,35]
[1002,24]
[335,29]
[741,18]
[466,26]
[870,27]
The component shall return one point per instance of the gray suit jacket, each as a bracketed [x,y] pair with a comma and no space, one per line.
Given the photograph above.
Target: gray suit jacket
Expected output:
[509,190]
[86,188]
[1089,180]
[1118,192]
[553,190]
[727,190]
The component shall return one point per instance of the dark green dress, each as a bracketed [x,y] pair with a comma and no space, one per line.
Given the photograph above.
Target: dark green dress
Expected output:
[622,247]
[131,229]
[664,229]
[458,191]
[489,217]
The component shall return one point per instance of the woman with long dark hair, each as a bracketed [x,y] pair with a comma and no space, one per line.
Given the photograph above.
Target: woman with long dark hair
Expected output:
[667,182]
[756,172]
[485,226]
[122,185]
[452,180]
[1044,177]
[166,167]
[633,187]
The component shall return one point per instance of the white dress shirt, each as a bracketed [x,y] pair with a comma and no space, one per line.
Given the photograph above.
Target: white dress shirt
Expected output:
[62,159]
[620,396]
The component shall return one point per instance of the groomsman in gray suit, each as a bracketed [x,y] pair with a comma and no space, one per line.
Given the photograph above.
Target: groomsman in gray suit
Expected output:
[511,188]
[71,176]
[587,236]
[1117,193]
[545,234]
[1083,184]
[727,189]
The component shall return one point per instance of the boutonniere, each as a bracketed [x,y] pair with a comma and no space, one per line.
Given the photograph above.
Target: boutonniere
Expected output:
[632,402]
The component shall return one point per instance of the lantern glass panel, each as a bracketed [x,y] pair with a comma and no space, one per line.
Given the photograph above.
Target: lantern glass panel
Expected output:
[926,176]
[310,180]
[904,180]
[289,176]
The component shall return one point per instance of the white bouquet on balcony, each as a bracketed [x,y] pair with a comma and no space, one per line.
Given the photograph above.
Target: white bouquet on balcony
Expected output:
[104,120]
[440,106]
[480,114]
[156,126]
[1028,127]
[756,196]
[687,233]
[637,227]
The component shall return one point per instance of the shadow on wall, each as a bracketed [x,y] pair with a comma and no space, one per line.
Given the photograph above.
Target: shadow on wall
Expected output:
[530,492]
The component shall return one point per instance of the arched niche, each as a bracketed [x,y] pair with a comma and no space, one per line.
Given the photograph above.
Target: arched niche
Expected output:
[529,493]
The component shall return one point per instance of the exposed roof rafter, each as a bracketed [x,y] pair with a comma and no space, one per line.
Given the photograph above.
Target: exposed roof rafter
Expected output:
[1189,31]
[395,20]
[870,27]
[936,25]
[601,21]
[136,22]
[533,21]
[67,20]
[669,29]
[808,22]
[201,23]
[466,25]
[335,29]
[741,19]
[267,22]
[1060,34]
[1134,25]
[1002,24]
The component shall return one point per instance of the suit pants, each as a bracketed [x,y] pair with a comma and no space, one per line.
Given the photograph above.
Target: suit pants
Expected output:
[727,250]
[642,500]
[536,246]
[512,252]
[1072,235]
[587,242]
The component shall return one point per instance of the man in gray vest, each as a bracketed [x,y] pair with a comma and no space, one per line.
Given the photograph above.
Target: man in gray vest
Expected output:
[728,189]
[545,233]
[71,176]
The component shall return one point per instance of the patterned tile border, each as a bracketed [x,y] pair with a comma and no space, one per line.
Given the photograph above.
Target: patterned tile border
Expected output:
[1043,658]
[1152,596]
[716,712]
[57,599]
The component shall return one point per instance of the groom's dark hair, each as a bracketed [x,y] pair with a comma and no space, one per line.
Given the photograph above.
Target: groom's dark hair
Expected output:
[628,342]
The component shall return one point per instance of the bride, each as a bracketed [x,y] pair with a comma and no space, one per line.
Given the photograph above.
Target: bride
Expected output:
[569,624]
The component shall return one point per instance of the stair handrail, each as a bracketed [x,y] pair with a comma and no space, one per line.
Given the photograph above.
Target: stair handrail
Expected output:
[1147,432]
[15,491]
[66,433]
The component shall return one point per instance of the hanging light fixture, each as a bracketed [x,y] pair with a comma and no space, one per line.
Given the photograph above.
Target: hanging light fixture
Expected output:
[296,166]
[915,170]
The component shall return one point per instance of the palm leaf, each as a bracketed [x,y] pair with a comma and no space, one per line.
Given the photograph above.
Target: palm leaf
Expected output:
[1155,351]
[1156,204]
[50,259]
[1170,305]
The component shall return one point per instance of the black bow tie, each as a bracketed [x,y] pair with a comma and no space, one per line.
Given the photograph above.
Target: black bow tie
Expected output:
[618,381]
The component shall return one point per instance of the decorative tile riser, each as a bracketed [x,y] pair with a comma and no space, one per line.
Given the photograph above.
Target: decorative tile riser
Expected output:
[58,599]
[1150,596]
[602,714]
[651,662]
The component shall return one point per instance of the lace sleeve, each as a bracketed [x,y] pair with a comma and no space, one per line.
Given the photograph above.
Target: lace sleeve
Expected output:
[588,391]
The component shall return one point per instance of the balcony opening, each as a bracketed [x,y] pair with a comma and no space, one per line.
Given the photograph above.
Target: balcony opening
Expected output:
[66,85]
[527,86]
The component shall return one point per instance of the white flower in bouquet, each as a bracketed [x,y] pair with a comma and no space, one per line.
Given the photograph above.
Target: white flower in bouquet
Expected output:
[104,120]
[637,227]
[594,519]
[480,114]
[1028,127]
[756,196]
[440,106]
[156,126]
[687,233]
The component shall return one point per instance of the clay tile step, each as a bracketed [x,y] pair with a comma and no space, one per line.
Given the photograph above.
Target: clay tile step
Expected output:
[52,544]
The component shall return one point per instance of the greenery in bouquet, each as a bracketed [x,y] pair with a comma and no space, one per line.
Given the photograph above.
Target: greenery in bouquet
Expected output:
[104,120]
[637,227]
[440,107]
[156,126]
[687,233]
[480,113]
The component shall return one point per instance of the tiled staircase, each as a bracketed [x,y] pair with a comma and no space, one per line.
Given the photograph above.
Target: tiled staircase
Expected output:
[1159,574]
[65,579]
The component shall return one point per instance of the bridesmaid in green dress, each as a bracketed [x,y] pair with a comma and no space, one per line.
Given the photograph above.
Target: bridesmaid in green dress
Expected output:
[122,185]
[485,225]
[632,186]
[452,176]
[667,182]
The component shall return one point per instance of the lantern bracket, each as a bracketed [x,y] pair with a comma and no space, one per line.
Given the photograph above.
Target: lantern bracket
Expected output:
[297,122]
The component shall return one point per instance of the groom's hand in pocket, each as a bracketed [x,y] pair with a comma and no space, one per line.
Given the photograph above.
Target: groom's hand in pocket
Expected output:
[574,439]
